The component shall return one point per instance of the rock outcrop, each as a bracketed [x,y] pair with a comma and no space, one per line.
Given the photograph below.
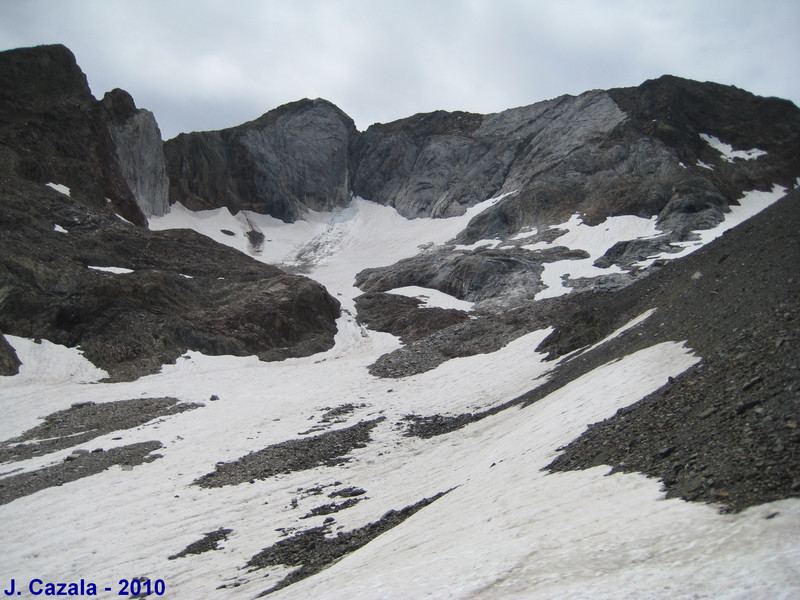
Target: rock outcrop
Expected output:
[133,299]
[138,145]
[291,159]
[53,130]
[9,361]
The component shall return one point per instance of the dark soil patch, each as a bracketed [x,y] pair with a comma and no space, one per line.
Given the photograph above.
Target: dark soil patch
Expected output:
[336,414]
[313,551]
[491,331]
[433,425]
[74,467]
[85,421]
[327,449]
[210,541]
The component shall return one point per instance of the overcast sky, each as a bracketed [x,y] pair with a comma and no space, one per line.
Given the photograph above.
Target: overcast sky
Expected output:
[207,64]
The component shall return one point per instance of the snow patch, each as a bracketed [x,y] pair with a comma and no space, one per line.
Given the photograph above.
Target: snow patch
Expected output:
[45,362]
[750,204]
[433,298]
[60,188]
[59,228]
[596,241]
[494,243]
[525,234]
[115,270]
[727,151]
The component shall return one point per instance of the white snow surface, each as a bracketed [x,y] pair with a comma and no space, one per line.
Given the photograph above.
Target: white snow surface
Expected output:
[506,530]
[492,244]
[432,298]
[114,270]
[59,187]
[596,240]
[59,228]
[727,151]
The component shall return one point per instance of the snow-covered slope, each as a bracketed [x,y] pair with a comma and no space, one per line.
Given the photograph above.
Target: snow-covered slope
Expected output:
[504,529]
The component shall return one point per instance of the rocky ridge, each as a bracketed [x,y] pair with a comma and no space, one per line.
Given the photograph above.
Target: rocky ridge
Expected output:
[642,151]
[137,141]
[74,273]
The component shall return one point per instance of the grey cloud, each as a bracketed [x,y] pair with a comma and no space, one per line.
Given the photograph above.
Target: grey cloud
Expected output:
[211,64]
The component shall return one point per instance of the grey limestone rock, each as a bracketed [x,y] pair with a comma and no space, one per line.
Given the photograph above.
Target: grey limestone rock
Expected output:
[291,159]
[137,140]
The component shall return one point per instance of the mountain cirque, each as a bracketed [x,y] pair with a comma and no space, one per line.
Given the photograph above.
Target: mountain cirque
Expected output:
[80,268]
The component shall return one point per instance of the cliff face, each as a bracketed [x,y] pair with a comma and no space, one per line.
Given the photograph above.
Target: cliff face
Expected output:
[138,145]
[637,151]
[293,158]
[53,130]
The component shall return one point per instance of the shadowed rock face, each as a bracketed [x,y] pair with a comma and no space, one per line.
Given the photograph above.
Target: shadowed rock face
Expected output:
[53,130]
[293,158]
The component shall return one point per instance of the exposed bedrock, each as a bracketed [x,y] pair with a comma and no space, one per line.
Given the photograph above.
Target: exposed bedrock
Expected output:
[53,130]
[506,274]
[634,151]
[291,159]
[176,291]
[137,140]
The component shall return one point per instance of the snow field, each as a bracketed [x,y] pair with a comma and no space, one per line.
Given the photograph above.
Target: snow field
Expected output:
[506,530]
